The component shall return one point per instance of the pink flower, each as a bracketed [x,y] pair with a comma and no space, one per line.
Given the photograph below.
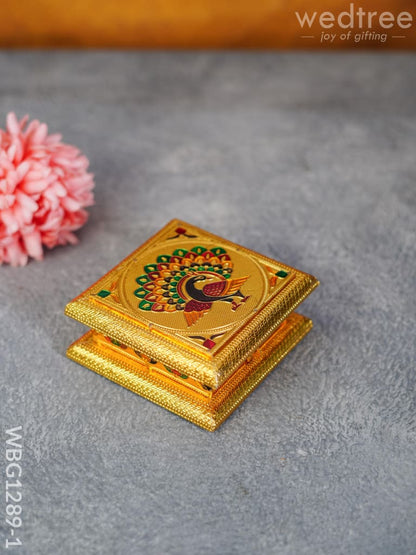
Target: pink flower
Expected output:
[44,188]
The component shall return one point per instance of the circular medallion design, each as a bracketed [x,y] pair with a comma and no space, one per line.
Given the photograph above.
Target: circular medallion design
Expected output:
[193,287]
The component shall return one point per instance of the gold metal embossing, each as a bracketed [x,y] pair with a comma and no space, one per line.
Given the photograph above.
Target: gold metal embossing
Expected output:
[197,305]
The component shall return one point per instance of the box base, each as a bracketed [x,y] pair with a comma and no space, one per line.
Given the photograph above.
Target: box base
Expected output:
[181,394]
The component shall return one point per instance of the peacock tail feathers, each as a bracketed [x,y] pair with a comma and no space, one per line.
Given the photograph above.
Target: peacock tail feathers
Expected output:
[158,286]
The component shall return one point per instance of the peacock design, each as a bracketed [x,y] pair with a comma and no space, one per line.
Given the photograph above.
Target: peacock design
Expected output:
[190,281]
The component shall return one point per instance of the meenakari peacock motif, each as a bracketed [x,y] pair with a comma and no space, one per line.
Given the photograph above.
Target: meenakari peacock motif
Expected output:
[190,281]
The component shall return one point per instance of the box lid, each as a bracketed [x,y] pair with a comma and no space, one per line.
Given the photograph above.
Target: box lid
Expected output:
[195,302]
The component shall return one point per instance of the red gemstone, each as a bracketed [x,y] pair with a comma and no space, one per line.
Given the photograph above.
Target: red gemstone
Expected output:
[180,230]
[208,343]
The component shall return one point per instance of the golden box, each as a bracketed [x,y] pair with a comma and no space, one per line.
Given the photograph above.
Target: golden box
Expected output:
[191,321]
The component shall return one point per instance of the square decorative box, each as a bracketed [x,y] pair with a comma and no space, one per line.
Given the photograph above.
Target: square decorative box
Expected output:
[191,321]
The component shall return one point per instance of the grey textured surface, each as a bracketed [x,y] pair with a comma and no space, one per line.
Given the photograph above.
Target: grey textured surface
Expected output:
[307,158]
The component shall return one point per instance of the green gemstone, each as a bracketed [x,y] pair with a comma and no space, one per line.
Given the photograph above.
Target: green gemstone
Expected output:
[104,293]
[281,274]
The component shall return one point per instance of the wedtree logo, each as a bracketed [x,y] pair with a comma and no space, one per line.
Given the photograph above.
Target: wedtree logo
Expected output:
[355,24]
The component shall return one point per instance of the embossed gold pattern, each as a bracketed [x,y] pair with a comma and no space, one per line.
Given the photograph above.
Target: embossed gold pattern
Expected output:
[199,308]
[167,336]
[205,411]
